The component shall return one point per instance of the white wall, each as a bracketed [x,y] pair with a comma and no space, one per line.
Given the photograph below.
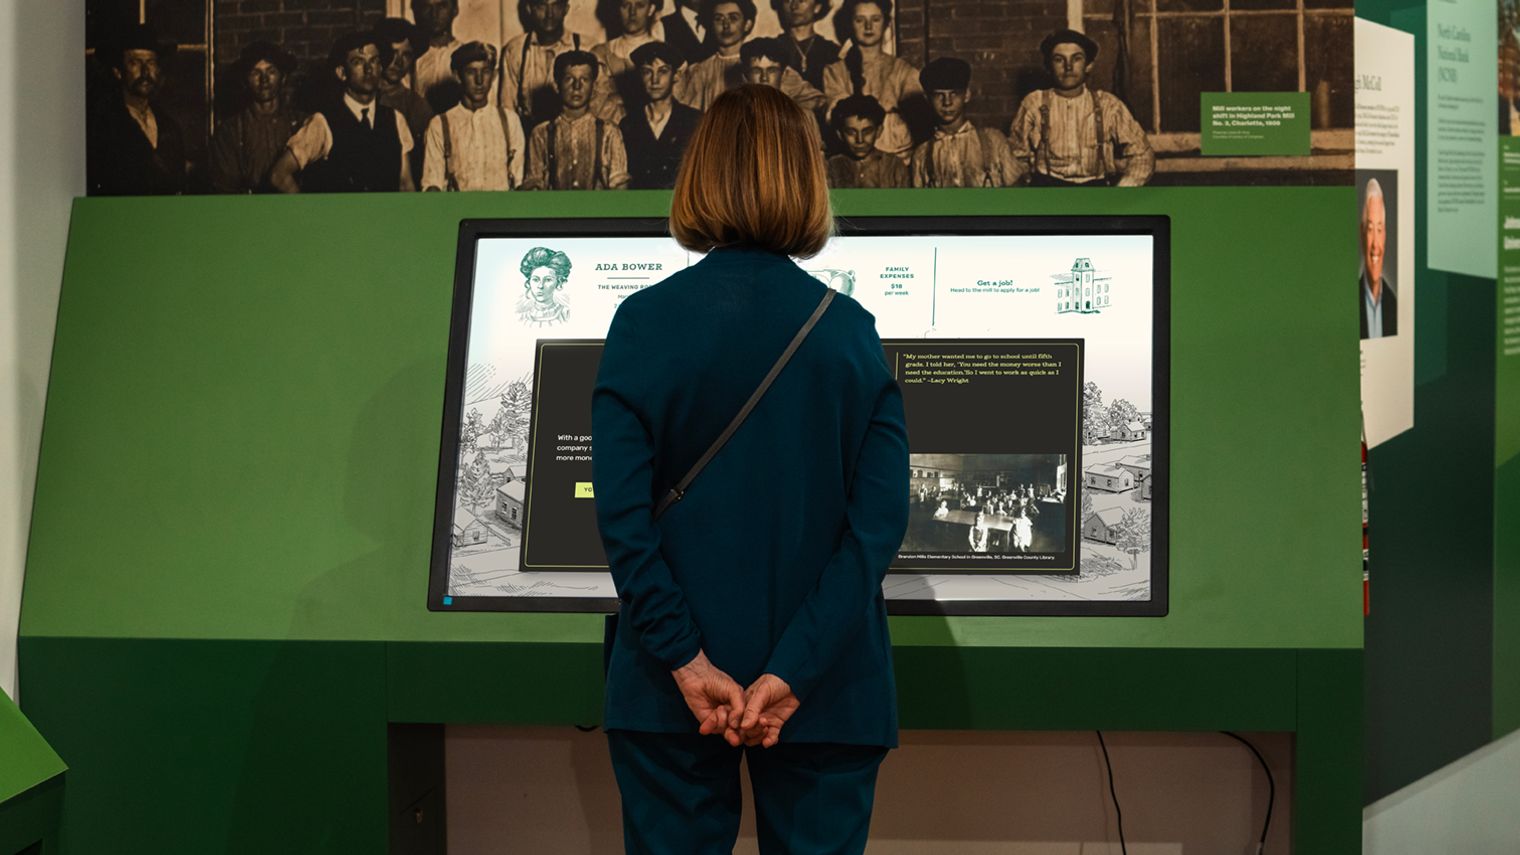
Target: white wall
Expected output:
[951,793]
[41,170]
[1472,806]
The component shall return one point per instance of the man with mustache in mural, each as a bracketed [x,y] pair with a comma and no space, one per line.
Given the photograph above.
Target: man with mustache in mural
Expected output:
[135,147]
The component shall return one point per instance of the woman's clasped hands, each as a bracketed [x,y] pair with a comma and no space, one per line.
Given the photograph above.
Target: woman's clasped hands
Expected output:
[752,716]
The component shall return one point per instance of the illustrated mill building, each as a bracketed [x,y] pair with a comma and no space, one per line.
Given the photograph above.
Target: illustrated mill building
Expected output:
[1082,290]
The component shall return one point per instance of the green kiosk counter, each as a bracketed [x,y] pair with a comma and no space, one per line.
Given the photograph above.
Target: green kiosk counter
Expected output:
[225,616]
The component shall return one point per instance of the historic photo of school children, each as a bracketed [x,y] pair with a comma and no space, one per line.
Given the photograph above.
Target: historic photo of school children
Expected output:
[299,96]
[987,504]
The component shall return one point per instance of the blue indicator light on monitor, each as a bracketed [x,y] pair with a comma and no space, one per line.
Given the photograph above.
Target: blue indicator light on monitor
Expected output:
[448,601]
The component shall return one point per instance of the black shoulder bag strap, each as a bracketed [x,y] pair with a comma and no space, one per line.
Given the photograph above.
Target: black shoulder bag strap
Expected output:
[679,490]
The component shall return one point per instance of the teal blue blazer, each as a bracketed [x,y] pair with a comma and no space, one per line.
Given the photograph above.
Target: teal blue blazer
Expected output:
[773,561]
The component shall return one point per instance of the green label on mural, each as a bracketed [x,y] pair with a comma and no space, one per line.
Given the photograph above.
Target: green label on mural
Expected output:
[1254,123]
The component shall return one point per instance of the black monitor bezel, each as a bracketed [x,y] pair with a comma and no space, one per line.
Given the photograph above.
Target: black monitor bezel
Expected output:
[1158,227]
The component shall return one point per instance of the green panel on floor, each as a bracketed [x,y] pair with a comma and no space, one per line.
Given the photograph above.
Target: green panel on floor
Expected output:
[1327,806]
[215,746]
[33,818]
[190,746]
[28,760]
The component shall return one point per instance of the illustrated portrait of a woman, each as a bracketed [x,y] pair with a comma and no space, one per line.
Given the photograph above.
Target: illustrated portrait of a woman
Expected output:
[545,273]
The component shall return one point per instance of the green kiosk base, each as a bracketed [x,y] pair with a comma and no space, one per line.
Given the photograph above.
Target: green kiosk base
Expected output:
[225,613]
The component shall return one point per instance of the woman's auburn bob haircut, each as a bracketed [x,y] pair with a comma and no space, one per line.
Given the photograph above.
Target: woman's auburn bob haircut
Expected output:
[753,175]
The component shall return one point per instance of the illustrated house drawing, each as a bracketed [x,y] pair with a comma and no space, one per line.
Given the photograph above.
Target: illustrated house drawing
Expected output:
[1129,431]
[1082,290]
[1110,478]
[1138,465]
[1103,526]
[509,503]
[504,473]
[468,530]
[1145,488]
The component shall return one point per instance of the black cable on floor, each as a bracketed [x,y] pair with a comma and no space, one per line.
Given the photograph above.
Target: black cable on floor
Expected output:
[1261,846]
[1123,849]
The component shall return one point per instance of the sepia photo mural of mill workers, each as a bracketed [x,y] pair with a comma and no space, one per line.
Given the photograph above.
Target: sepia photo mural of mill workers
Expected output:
[301,96]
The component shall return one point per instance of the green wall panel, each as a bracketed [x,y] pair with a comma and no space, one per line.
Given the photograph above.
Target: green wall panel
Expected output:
[1507,594]
[225,598]
[1432,639]
[242,426]
[215,746]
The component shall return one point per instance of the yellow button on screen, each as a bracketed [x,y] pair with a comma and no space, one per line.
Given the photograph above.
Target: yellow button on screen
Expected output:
[583,490]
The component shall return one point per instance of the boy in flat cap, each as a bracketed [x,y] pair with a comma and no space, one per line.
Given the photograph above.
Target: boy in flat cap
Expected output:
[959,154]
[1074,135]
[135,148]
[576,150]
[401,42]
[857,122]
[247,143]
[474,146]
[354,143]
[656,133]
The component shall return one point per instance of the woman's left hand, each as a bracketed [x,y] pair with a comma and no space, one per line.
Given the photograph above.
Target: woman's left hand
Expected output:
[713,697]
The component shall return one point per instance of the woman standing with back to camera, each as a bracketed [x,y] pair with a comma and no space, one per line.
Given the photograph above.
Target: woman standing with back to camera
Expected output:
[752,620]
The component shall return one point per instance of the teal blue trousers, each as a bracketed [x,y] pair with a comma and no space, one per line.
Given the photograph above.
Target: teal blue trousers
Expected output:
[681,794]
